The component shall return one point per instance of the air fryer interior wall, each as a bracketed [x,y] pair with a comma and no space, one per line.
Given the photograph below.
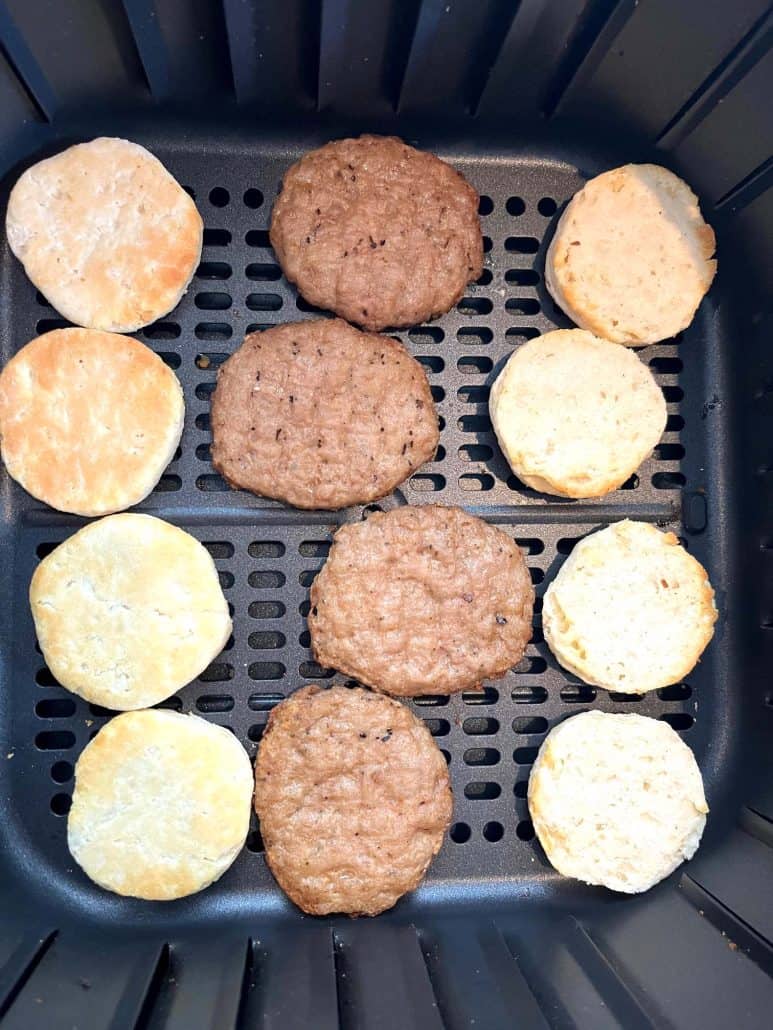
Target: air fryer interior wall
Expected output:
[528,101]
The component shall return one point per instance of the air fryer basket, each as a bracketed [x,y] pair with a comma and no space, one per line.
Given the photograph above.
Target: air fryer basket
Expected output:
[528,99]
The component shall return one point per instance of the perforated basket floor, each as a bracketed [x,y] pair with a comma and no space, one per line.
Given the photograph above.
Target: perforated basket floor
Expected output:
[267,554]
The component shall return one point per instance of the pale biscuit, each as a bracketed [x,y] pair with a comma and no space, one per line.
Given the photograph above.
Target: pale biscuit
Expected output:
[576,415]
[631,258]
[88,420]
[630,610]
[616,800]
[161,806]
[106,233]
[128,610]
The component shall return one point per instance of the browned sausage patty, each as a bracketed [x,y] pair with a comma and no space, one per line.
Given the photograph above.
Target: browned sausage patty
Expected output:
[424,600]
[380,233]
[321,415]
[353,797]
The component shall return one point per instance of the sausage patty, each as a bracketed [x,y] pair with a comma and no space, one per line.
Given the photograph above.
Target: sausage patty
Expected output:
[380,233]
[353,797]
[425,600]
[320,415]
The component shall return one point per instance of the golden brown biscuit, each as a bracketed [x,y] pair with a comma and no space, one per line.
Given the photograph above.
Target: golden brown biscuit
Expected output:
[106,233]
[88,420]
[161,805]
[128,610]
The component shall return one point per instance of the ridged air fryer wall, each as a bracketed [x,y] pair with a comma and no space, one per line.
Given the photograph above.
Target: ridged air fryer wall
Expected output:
[528,98]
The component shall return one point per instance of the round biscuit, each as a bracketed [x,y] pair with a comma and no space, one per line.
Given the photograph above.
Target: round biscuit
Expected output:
[422,600]
[377,231]
[161,805]
[630,610]
[88,420]
[105,233]
[616,800]
[353,797]
[631,258]
[576,415]
[128,610]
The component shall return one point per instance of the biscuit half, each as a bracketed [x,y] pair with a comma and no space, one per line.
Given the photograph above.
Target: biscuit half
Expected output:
[88,420]
[128,610]
[576,415]
[630,610]
[632,257]
[616,800]
[106,234]
[161,806]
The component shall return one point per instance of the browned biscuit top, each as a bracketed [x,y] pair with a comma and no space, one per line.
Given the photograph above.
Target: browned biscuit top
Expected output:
[422,600]
[106,233]
[353,798]
[380,233]
[320,415]
[88,420]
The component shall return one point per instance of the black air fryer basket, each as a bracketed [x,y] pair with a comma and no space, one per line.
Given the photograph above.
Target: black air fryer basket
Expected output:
[528,99]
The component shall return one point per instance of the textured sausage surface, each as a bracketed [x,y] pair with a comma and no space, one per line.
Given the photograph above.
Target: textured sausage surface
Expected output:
[321,415]
[422,600]
[353,797]
[377,231]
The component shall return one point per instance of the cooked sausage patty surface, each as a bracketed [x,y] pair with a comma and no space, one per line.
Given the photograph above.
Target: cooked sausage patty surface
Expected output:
[353,797]
[377,231]
[321,415]
[422,600]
